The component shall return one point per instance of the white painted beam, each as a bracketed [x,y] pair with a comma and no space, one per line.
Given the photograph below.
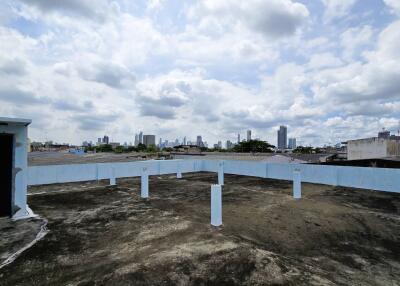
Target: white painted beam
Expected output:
[221,173]
[144,186]
[296,184]
[112,177]
[216,205]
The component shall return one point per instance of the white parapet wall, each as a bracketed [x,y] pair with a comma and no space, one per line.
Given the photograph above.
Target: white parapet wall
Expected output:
[380,179]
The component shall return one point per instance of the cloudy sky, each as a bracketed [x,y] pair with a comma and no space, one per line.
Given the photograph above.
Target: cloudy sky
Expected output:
[329,69]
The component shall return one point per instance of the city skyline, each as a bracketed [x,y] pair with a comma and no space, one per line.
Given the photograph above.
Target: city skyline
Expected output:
[163,143]
[328,69]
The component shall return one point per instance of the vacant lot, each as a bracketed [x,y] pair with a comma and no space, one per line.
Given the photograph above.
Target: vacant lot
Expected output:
[100,235]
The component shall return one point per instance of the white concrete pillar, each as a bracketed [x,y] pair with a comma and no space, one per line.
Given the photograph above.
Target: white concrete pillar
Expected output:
[221,173]
[296,184]
[97,172]
[216,205]
[112,177]
[144,191]
[178,171]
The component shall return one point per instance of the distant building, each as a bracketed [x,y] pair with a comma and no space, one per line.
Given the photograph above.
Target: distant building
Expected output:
[106,140]
[384,134]
[184,140]
[136,140]
[229,144]
[238,138]
[282,137]
[199,141]
[114,144]
[248,135]
[76,151]
[292,143]
[372,148]
[187,149]
[149,140]
[141,137]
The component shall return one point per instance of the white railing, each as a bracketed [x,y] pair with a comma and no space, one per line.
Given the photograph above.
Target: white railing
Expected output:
[380,179]
[367,178]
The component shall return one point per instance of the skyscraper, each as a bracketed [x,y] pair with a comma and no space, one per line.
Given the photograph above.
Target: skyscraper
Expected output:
[248,135]
[282,137]
[238,138]
[106,140]
[149,140]
[199,141]
[292,143]
[141,137]
[136,140]
[184,140]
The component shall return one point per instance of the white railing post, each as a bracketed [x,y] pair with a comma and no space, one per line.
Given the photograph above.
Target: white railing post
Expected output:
[112,177]
[216,205]
[178,171]
[296,184]
[221,173]
[144,191]
[97,172]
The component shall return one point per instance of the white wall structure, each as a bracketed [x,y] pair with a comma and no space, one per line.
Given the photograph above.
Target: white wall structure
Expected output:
[380,179]
[13,188]
[372,148]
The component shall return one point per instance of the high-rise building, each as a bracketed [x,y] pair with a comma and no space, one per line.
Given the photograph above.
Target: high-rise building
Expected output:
[149,140]
[238,138]
[141,137]
[248,135]
[282,137]
[106,140]
[199,141]
[229,144]
[136,140]
[184,140]
[292,143]
[219,144]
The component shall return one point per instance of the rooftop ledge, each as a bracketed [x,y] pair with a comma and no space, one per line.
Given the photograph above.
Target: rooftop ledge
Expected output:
[14,121]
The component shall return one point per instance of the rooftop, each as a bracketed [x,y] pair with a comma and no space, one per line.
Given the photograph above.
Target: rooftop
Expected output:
[15,121]
[108,235]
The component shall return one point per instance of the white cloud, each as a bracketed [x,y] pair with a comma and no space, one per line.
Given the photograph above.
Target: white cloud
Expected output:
[394,5]
[354,38]
[337,8]
[324,60]
[89,69]
[273,19]
[375,82]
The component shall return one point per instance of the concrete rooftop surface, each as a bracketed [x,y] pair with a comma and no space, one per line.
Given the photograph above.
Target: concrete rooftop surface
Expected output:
[102,235]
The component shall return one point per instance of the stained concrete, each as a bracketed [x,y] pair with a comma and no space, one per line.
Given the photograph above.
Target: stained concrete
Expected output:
[101,235]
